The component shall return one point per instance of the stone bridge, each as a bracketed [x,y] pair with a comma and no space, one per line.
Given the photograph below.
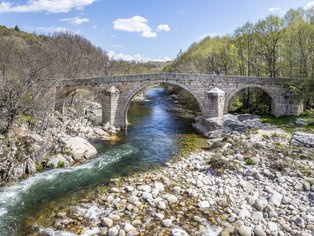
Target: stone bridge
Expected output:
[212,92]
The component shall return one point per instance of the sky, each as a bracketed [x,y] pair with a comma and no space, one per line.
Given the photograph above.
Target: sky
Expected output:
[141,29]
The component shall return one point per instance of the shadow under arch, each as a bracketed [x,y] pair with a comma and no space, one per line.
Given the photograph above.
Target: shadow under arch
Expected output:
[272,95]
[135,91]
[62,99]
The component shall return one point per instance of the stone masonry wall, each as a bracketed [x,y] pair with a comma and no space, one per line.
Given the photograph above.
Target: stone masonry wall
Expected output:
[115,105]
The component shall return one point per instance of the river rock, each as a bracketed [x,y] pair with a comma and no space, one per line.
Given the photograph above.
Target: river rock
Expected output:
[244,213]
[260,204]
[144,188]
[159,186]
[245,231]
[128,228]
[272,226]
[133,199]
[258,231]
[57,161]
[79,148]
[179,232]
[122,232]
[203,204]
[107,222]
[276,198]
[113,231]
[299,222]
[161,205]
[171,198]
[303,139]
[167,222]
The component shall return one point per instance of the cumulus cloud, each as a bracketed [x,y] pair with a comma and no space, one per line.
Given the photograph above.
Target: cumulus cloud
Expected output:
[136,57]
[75,20]
[55,6]
[135,24]
[309,5]
[274,9]
[163,28]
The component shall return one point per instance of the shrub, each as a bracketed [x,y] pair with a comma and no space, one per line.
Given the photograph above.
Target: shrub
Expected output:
[250,162]
[60,164]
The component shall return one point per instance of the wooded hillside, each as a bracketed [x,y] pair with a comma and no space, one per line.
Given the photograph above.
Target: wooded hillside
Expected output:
[273,47]
[30,64]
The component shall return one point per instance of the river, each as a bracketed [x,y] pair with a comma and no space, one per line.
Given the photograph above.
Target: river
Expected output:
[156,135]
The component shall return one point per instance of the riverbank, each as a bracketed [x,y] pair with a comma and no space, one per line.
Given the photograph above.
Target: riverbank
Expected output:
[65,142]
[260,182]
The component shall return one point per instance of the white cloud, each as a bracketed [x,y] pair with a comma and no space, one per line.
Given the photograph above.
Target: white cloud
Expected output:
[53,6]
[137,57]
[274,9]
[94,27]
[309,5]
[75,20]
[163,28]
[135,24]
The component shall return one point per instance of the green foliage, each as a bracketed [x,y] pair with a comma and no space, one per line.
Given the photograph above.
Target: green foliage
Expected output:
[61,164]
[21,118]
[39,167]
[288,123]
[16,28]
[249,162]
[273,47]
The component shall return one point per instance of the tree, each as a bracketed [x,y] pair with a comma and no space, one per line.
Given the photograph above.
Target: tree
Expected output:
[16,28]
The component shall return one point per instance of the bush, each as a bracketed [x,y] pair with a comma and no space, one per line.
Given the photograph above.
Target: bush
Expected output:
[39,167]
[60,164]
[250,162]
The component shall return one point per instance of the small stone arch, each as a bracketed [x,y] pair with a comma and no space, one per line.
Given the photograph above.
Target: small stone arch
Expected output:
[63,93]
[275,100]
[132,94]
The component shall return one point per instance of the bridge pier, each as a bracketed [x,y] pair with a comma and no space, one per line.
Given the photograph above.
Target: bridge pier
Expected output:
[216,103]
[288,105]
[110,106]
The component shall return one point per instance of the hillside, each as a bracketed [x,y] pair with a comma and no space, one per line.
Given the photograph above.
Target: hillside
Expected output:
[30,64]
[272,47]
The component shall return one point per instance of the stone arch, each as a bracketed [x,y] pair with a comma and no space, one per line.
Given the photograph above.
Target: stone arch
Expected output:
[63,93]
[275,100]
[132,94]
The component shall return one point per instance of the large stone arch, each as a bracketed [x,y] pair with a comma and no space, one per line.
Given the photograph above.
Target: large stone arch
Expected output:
[131,95]
[272,93]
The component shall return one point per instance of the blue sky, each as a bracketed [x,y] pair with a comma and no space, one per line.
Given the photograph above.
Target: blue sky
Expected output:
[141,29]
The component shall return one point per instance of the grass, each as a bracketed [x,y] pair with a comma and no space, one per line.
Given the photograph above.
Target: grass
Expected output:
[288,122]
[39,167]
[250,162]
[61,164]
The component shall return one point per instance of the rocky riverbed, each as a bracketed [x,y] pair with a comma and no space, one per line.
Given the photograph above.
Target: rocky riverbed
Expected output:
[24,151]
[256,183]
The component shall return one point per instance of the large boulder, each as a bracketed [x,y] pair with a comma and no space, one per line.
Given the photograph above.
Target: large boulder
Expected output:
[78,148]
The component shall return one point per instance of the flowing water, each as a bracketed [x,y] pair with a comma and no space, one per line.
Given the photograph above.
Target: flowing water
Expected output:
[156,134]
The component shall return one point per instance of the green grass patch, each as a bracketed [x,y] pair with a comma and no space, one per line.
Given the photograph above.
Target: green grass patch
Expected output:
[39,167]
[61,164]
[288,123]
[250,162]
[279,121]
